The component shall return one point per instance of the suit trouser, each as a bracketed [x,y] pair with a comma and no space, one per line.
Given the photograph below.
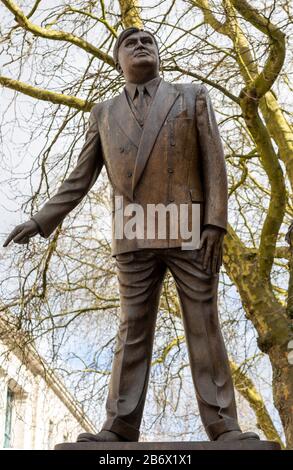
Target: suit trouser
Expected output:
[140,275]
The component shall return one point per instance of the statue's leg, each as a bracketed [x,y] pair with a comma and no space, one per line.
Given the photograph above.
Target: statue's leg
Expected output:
[209,364]
[140,276]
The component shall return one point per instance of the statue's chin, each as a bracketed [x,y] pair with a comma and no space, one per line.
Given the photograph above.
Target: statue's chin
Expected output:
[143,61]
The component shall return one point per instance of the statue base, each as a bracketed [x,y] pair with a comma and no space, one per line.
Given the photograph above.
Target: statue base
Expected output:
[170,446]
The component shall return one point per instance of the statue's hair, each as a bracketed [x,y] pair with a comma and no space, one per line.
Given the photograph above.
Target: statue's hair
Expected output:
[123,35]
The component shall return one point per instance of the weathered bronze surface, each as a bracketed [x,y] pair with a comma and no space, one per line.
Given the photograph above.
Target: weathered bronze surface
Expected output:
[160,143]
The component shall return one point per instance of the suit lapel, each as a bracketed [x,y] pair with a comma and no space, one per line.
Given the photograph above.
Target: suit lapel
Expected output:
[143,138]
[125,119]
[163,101]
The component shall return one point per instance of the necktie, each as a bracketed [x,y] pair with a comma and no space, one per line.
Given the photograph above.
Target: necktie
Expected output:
[141,104]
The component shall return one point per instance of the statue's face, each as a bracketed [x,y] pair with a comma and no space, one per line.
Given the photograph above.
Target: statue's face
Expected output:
[138,53]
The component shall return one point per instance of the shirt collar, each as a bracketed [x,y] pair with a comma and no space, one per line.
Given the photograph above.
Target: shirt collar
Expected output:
[151,87]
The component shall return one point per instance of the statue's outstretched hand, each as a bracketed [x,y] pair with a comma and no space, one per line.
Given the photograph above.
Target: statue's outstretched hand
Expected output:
[22,233]
[211,248]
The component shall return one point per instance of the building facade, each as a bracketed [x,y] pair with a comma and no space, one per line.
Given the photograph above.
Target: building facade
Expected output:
[36,410]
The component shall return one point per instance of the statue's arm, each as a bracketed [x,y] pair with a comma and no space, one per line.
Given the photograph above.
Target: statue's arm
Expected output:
[215,184]
[78,183]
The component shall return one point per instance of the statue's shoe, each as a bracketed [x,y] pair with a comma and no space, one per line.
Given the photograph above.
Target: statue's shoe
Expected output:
[237,436]
[102,436]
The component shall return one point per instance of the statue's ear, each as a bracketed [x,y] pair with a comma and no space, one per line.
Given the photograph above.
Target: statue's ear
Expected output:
[118,68]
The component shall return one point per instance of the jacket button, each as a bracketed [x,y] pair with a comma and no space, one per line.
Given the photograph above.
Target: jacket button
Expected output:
[129,174]
[170,170]
[171,200]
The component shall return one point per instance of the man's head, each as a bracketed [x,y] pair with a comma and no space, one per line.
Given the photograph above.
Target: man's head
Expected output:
[136,55]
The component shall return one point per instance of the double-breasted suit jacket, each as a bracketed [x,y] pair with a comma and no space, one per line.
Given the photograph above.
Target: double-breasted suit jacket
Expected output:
[176,157]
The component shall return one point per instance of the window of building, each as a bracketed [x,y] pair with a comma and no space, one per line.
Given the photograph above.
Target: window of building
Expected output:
[8,417]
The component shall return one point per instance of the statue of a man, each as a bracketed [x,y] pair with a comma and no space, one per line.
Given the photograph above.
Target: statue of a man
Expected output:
[160,145]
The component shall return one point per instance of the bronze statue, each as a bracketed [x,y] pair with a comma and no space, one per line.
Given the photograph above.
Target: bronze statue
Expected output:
[160,143]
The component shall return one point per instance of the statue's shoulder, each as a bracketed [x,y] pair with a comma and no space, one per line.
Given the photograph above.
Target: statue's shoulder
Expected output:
[190,88]
[100,108]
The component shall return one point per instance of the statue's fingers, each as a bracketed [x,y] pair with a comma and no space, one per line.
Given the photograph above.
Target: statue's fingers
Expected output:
[207,256]
[10,237]
[215,258]
[24,240]
[20,237]
[202,247]
[201,253]
[203,240]
[8,240]
[220,259]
